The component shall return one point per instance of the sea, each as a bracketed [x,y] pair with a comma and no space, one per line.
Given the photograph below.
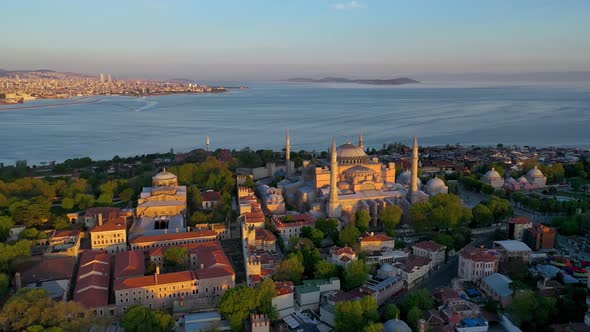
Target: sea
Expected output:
[465,113]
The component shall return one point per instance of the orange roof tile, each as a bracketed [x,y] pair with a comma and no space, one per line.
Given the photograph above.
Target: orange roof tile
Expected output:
[152,280]
[174,236]
[129,263]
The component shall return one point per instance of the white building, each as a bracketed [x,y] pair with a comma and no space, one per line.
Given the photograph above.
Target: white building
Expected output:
[413,269]
[477,263]
[432,250]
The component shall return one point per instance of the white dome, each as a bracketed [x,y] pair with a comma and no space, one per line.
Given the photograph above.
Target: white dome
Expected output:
[387,268]
[522,179]
[404,178]
[493,174]
[396,325]
[535,173]
[164,176]
[435,183]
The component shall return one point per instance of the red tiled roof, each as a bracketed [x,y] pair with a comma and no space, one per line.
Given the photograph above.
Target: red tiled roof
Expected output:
[263,234]
[211,196]
[520,220]
[345,250]
[376,238]
[299,220]
[152,280]
[409,263]
[429,245]
[92,286]
[174,236]
[65,233]
[57,268]
[284,287]
[478,255]
[129,263]
[111,225]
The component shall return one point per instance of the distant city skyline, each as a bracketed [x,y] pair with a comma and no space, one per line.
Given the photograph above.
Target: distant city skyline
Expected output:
[266,39]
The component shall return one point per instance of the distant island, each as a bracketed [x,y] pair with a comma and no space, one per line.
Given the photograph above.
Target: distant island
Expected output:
[393,81]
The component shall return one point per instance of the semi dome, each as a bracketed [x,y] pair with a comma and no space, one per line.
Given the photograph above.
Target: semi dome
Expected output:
[535,173]
[493,174]
[351,154]
[396,325]
[359,170]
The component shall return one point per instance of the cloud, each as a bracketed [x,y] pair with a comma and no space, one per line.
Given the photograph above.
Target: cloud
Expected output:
[348,5]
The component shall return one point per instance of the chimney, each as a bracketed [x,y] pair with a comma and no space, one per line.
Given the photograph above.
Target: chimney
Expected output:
[202,266]
[18,281]
[157,269]
[372,233]
[188,228]
[156,274]
[422,326]
[100,219]
[177,230]
[165,230]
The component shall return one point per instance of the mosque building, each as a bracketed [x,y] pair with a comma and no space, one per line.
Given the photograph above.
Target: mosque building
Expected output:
[351,181]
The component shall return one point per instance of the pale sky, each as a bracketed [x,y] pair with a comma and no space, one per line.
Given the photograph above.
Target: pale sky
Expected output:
[277,39]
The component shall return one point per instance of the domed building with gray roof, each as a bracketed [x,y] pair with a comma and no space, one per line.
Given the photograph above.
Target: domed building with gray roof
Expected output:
[536,177]
[396,325]
[436,186]
[493,178]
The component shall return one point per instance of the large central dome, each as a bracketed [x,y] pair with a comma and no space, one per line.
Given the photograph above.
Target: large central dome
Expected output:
[351,154]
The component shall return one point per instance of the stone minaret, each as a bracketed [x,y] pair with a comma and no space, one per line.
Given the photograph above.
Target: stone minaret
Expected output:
[207,142]
[288,153]
[333,203]
[361,141]
[413,193]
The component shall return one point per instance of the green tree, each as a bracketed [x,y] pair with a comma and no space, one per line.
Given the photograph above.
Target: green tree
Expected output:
[446,240]
[356,314]
[314,234]
[199,217]
[127,195]
[236,304]
[109,187]
[390,311]
[420,215]
[349,235]
[31,306]
[420,298]
[10,253]
[61,223]
[67,203]
[355,274]
[482,216]
[30,212]
[139,318]
[6,225]
[391,217]
[105,199]
[328,226]
[363,217]
[373,327]
[532,312]
[324,270]
[4,283]
[290,269]
[84,201]
[500,208]
[265,291]
[413,317]
[177,257]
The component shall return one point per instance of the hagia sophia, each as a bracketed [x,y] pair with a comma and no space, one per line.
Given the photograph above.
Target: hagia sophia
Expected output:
[351,180]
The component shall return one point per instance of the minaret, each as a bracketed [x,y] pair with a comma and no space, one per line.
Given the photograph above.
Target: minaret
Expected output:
[414,180]
[207,142]
[361,141]
[288,153]
[333,203]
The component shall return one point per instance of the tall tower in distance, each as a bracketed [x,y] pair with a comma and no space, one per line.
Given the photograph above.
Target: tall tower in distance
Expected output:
[101,78]
[109,78]
[414,180]
[288,153]
[334,209]
[207,142]
[361,141]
